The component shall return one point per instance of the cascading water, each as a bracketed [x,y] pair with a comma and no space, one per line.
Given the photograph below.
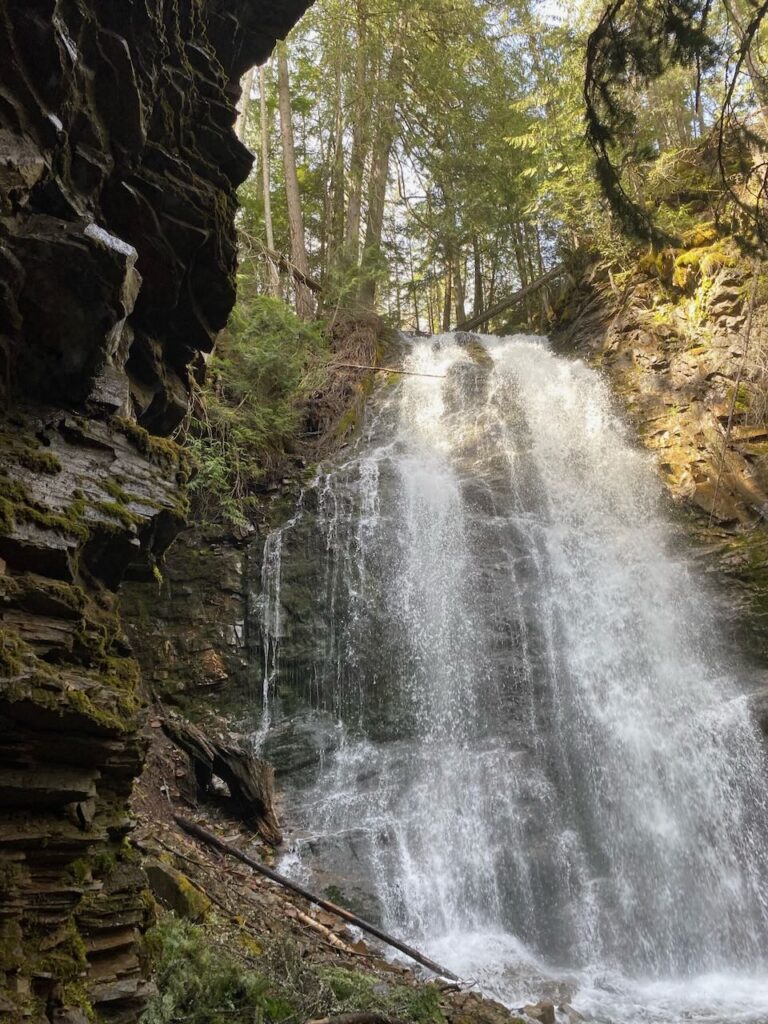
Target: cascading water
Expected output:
[536,755]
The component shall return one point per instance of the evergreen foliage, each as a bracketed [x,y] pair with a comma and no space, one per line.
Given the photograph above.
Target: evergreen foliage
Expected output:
[638,44]
[202,982]
[450,152]
[251,407]
[198,984]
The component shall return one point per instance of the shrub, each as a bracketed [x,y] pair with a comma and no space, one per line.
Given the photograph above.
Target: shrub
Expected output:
[200,985]
[263,369]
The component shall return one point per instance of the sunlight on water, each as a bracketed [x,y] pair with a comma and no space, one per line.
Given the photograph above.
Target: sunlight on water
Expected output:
[546,757]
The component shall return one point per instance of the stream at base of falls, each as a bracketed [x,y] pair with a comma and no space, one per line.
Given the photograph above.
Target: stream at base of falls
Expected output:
[505,722]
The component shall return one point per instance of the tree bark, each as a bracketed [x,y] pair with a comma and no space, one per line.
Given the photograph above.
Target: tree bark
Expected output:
[250,780]
[304,304]
[245,99]
[447,303]
[377,190]
[359,148]
[458,286]
[477,304]
[274,277]
[521,295]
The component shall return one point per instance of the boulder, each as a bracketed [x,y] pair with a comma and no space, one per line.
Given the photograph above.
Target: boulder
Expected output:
[543,1011]
[175,891]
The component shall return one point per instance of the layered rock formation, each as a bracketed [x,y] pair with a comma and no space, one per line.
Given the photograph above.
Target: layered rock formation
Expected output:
[198,616]
[683,338]
[118,166]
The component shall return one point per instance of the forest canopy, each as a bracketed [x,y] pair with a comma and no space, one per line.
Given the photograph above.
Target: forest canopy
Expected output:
[427,159]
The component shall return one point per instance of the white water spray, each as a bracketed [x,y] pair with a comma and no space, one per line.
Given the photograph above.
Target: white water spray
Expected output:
[547,756]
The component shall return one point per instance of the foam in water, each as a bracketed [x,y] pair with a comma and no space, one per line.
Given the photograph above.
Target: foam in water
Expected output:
[547,768]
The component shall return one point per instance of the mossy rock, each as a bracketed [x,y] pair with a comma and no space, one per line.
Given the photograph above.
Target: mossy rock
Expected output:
[174,890]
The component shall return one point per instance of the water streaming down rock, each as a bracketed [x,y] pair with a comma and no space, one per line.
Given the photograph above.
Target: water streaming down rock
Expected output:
[523,740]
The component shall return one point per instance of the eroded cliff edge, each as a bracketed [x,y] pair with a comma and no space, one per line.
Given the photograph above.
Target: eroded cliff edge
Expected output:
[118,169]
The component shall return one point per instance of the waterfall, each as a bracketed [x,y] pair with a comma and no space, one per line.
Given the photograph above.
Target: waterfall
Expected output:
[540,760]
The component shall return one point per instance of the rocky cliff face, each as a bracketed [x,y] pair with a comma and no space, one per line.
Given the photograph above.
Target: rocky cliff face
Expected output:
[198,616]
[118,166]
[683,338]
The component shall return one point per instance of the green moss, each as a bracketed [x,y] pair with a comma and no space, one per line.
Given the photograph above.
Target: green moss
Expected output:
[197,981]
[79,870]
[160,450]
[10,874]
[17,505]
[196,902]
[114,490]
[350,986]
[69,521]
[335,894]
[14,654]
[39,461]
[80,702]
[650,263]
[742,403]
[703,261]
[701,235]
[7,518]
[347,423]
[355,990]
[75,994]
[11,949]
[66,961]
[129,519]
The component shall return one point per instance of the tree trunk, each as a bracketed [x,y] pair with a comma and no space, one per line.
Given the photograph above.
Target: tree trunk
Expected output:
[245,99]
[458,286]
[359,149]
[448,297]
[740,15]
[274,278]
[375,218]
[377,189]
[336,196]
[521,295]
[477,304]
[250,780]
[304,304]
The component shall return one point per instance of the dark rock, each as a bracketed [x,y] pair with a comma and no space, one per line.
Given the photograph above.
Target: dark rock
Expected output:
[758,705]
[465,338]
[196,617]
[118,169]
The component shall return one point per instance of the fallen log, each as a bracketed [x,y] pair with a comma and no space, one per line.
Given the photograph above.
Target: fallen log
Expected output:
[327,934]
[218,844]
[386,369]
[511,300]
[355,1018]
[250,779]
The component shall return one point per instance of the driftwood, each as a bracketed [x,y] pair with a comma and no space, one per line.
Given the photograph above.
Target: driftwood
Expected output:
[212,840]
[250,780]
[327,934]
[511,300]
